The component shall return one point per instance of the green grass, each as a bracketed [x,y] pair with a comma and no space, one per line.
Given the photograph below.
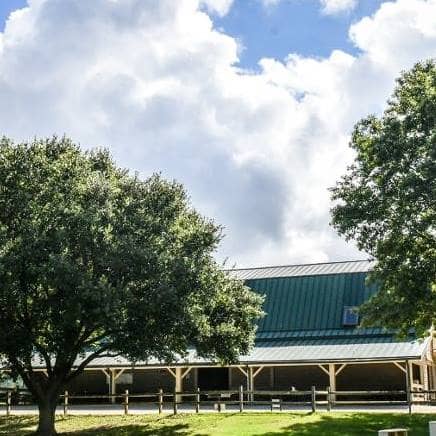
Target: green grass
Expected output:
[226,424]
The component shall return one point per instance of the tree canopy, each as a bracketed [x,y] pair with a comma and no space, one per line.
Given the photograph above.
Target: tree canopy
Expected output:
[387,202]
[96,261]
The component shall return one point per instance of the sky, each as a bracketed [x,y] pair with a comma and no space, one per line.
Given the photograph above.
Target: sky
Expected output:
[248,103]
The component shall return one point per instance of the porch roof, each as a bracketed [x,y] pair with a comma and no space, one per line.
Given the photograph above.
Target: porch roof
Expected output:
[298,352]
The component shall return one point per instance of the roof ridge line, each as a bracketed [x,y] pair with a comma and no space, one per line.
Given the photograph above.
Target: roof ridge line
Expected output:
[299,264]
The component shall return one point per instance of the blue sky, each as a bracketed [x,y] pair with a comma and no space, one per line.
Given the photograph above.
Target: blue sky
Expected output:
[6,7]
[256,147]
[290,26]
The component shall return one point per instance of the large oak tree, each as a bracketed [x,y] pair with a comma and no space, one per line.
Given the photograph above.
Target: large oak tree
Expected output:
[96,261]
[387,202]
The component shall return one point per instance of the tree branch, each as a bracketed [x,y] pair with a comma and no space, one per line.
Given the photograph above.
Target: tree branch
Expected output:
[86,361]
[46,357]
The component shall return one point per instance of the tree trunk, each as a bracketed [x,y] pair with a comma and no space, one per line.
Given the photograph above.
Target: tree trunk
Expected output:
[46,424]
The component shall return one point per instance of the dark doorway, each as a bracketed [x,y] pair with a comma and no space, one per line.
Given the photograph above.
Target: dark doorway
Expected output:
[213,379]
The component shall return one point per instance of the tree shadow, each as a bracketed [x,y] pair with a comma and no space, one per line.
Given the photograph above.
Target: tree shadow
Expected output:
[21,426]
[332,424]
[355,424]
[16,425]
[134,430]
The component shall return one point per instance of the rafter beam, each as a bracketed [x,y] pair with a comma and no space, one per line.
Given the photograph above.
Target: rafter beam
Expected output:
[117,374]
[324,369]
[257,371]
[186,372]
[400,366]
[243,370]
[171,372]
[340,368]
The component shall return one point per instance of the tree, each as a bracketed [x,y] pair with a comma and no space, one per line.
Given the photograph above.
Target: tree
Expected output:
[387,203]
[95,261]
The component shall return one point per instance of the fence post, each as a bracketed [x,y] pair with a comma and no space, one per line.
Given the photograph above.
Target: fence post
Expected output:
[197,401]
[175,402]
[160,401]
[329,399]
[313,399]
[8,403]
[65,403]
[126,402]
[241,398]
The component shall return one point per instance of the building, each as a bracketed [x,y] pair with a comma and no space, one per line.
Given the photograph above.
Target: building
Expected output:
[309,337]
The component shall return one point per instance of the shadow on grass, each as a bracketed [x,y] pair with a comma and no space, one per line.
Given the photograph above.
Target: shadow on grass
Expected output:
[23,426]
[133,430]
[355,424]
[16,425]
[344,424]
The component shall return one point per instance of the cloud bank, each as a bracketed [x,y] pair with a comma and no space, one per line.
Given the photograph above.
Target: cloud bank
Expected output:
[160,86]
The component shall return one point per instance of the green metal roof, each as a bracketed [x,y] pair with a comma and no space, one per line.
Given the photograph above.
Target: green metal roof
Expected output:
[310,303]
[303,324]
[304,315]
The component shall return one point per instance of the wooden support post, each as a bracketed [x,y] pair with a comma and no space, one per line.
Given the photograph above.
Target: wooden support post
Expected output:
[175,402]
[332,380]
[241,398]
[329,399]
[113,386]
[179,383]
[107,373]
[197,401]
[126,402]
[313,399]
[251,384]
[408,387]
[8,403]
[65,403]
[112,375]
[160,401]
[425,381]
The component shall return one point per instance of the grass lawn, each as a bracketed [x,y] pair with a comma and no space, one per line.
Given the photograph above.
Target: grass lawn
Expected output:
[226,424]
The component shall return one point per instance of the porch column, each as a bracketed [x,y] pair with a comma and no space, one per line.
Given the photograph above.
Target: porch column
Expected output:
[424,376]
[332,379]
[113,383]
[179,374]
[253,374]
[178,382]
[409,374]
[250,382]
[111,377]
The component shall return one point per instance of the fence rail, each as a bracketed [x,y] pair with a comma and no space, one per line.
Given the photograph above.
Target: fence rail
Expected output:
[241,398]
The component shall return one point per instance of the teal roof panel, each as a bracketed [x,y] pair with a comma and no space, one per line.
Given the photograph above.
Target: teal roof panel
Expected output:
[309,302]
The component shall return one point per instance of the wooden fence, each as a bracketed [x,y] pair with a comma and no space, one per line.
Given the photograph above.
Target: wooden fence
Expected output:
[240,399]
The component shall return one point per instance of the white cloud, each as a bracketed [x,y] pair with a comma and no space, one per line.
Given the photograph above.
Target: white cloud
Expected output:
[159,85]
[333,7]
[220,7]
[328,7]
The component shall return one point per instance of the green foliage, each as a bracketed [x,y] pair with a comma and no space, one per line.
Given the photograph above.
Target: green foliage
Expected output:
[95,260]
[387,202]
